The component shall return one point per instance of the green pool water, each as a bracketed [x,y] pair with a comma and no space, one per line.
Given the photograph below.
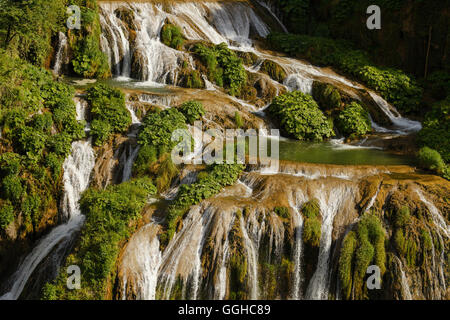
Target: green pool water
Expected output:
[328,153]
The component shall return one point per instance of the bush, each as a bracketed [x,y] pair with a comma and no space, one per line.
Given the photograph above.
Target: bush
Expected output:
[158,127]
[224,67]
[192,110]
[300,117]
[431,159]
[171,36]
[354,120]
[108,111]
[12,188]
[435,133]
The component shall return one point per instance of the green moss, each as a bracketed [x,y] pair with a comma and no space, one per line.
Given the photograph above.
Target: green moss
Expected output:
[6,214]
[282,212]
[346,260]
[431,160]
[238,120]
[359,250]
[312,224]
[273,70]
[326,95]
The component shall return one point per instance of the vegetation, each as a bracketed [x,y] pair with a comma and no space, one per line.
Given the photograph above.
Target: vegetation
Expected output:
[394,85]
[171,36]
[354,121]
[359,249]
[431,160]
[38,124]
[108,214]
[326,95]
[300,117]
[88,60]
[192,110]
[207,185]
[108,112]
[273,70]
[223,66]
[312,223]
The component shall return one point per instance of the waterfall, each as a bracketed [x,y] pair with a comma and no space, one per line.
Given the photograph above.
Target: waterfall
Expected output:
[269,9]
[128,163]
[77,170]
[403,125]
[60,53]
[142,259]
[252,261]
[298,248]
[296,81]
[330,202]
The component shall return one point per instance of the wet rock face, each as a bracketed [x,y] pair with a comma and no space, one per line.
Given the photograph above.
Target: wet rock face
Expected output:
[239,244]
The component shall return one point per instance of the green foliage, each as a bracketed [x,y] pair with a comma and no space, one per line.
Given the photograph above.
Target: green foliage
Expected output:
[38,121]
[167,171]
[435,133]
[402,217]
[354,120]
[224,67]
[300,117]
[296,13]
[88,60]
[6,214]
[158,127]
[431,159]
[108,214]
[439,84]
[26,27]
[326,95]
[312,224]
[282,212]
[395,86]
[192,110]
[108,111]
[171,36]
[219,176]
[147,155]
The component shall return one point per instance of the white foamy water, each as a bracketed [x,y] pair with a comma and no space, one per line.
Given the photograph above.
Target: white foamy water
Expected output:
[298,248]
[62,46]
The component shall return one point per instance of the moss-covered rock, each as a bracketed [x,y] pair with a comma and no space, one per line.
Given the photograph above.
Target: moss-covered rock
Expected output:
[273,70]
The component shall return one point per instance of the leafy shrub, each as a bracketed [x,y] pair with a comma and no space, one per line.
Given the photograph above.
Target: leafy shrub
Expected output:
[147,155]
[171,36]
[300,117]
[12,188]
[192,110]
[108,111]
[435,133]
[158,127]
[431,159]
[224,67]
[354,120]
[108,213]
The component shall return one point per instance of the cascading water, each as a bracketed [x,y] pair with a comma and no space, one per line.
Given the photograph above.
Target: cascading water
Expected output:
[60,53]
[295,204]
[77,170]
[330,202]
